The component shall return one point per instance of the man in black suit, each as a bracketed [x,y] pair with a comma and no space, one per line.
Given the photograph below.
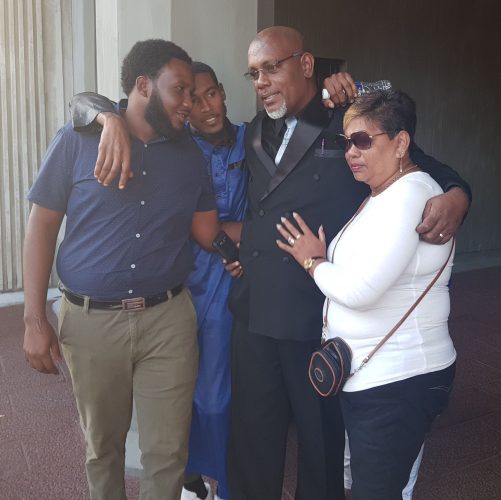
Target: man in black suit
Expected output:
[294,167]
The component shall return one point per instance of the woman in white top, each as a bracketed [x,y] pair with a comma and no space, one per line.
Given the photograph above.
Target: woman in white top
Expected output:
[371,274]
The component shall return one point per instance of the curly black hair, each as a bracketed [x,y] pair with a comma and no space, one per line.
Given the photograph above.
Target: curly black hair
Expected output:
[391,110]
[200,67]
[147,58]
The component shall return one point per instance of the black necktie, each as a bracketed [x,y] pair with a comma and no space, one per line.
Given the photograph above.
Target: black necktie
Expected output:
[280,128]
[273,134]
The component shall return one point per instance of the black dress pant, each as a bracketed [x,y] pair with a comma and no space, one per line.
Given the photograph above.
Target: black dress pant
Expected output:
[386,427]
[269,386]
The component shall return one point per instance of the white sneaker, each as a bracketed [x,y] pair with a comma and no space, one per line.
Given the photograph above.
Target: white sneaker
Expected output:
[191,495]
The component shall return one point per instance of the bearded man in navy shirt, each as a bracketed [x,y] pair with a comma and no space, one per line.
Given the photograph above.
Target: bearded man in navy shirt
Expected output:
[127,325]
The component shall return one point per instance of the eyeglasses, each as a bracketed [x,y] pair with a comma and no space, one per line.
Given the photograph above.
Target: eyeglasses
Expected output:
[269,68]
[361,140]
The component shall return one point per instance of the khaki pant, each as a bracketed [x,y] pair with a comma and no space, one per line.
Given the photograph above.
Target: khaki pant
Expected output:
[151,355]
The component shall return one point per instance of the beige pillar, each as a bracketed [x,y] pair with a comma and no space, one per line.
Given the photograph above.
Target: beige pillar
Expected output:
[119,24]
[218,33]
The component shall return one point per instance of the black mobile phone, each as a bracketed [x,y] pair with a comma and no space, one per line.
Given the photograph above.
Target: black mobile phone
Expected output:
[225,247]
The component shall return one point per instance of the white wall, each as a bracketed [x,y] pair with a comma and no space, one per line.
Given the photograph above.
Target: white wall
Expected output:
[120,24]
[84,45]
[218,32]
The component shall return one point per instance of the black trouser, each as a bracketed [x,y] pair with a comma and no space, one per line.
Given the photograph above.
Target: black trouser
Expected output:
[269,384]
[386,427]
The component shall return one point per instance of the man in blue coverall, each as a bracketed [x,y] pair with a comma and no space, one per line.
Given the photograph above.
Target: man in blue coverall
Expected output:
[222,145]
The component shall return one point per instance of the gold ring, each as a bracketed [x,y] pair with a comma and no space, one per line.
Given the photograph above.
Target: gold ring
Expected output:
[291,241]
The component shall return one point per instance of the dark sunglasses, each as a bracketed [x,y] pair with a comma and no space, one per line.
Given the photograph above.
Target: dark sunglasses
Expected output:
[361,140]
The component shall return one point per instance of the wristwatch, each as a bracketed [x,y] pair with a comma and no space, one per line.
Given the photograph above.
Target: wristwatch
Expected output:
[308,263]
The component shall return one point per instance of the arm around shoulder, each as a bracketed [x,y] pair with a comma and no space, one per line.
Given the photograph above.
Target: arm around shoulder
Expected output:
[443,214]
[85,107]
[89,110]
[444,175]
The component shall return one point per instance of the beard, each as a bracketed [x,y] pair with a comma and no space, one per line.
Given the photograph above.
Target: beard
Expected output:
[159,120]
[278,113]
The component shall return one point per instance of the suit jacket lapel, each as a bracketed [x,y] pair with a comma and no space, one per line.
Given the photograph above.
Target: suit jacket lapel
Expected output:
[256,144]
[314,119]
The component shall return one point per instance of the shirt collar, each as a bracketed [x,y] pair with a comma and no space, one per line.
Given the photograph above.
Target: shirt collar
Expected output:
[227,136]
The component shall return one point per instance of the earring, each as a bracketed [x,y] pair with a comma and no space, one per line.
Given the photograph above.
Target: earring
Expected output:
[401,170]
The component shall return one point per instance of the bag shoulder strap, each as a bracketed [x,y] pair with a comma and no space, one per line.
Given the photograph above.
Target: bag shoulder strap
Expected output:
[406,315]
[360,208]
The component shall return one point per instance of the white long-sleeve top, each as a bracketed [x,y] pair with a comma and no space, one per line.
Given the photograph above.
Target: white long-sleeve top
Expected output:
[380,268]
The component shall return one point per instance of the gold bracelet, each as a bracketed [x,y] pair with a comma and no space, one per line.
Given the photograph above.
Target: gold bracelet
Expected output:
[308,263]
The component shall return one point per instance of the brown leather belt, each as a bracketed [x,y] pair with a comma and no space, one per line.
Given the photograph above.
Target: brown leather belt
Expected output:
[132,304]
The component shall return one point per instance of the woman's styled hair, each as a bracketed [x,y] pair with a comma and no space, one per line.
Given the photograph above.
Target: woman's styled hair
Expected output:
[391,110]
[147,58]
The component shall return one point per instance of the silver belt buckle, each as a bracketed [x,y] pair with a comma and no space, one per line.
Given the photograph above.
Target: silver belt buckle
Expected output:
[135,304]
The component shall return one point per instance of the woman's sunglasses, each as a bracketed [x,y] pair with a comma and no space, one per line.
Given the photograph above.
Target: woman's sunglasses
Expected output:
[361,140]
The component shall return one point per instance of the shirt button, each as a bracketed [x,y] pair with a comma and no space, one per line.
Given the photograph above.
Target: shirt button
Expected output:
[255,253]
[261,212]
[138,235]
[142,202]
[144,172]
[146,145]
[133,266]
[285,260]
[130,292]
[316,177]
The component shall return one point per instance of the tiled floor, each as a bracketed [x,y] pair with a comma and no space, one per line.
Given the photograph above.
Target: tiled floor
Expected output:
[42,453]
[463,454]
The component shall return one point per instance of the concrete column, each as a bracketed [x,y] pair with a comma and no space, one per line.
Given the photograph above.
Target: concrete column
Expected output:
[120,24]
[84,45]
[216,32]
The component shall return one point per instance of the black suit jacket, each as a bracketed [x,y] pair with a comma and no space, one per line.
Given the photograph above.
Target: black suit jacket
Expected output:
[275,295]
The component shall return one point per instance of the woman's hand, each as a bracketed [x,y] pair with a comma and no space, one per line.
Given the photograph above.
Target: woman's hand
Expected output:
[301,244]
